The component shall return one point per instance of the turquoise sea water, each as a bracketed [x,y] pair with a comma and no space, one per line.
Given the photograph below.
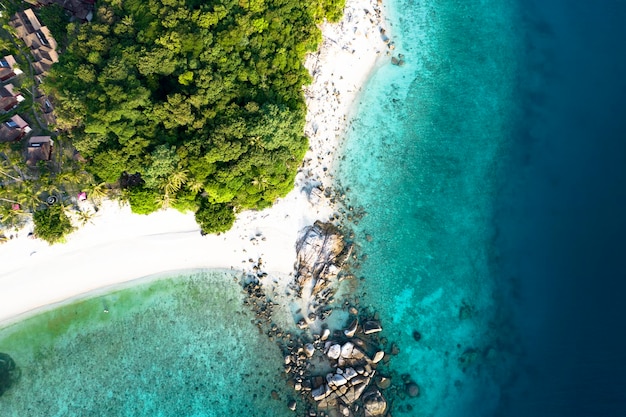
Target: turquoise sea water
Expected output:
[181,346]
[422,158]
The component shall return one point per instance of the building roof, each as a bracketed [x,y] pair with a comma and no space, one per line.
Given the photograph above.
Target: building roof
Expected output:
[18,121]
[38,38]
[32,19]
[13,129]
[8,97]
[7,68]
[39,149]
[8,61]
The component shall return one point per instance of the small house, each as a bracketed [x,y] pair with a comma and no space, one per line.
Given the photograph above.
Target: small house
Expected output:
[9,99]
[39,149]
[8,68]
[13,129]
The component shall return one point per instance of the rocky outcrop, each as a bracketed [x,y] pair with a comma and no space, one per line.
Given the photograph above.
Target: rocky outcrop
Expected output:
[321,251]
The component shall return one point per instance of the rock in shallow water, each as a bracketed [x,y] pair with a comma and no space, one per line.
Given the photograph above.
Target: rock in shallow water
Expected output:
[333,352]
[374,403]
[412,389]
[9,372]
[309,349]
[292,405]
[371,326]
[351,330]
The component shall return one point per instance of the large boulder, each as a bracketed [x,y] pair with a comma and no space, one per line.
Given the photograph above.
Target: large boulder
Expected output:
[371,326]
[321,251]
[334,351]
[9,372]
[374,403]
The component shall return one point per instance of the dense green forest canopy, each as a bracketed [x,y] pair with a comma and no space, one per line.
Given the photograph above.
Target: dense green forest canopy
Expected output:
[202,99]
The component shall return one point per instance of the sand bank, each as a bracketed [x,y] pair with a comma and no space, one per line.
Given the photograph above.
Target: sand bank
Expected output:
[118,246]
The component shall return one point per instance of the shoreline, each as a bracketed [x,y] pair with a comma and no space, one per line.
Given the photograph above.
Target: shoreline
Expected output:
[109,289]
[120,248]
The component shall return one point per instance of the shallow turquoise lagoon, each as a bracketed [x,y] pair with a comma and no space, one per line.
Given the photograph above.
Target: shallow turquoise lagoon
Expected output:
[422,158]
[180,346]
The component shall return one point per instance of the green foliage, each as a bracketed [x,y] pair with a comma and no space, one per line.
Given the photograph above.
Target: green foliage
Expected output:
[185,201]
[52,224]
[202,99]
[142,201]
[214,217]
[55,18]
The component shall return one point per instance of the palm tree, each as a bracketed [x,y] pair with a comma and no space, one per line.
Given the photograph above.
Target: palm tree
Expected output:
[27,196]
[175,181]
[260,182]
[98,191]
[164,200]
[85,216]
[195,185]
[10,217]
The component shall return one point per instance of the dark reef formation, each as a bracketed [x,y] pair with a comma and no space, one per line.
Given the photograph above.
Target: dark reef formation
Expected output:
[9,372]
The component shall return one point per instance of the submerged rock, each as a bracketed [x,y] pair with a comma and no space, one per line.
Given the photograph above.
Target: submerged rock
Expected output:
[9,372]
[412,389]
[292,405]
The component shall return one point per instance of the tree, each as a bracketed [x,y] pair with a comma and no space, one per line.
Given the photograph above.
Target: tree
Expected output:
[143,201]
[202,100]
[214,217]
[52,224]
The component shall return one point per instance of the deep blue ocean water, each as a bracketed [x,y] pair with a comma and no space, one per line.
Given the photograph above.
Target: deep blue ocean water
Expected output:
[493,171]
[492,168]
[560,214]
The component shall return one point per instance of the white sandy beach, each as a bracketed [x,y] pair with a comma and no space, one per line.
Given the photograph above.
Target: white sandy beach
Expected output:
[119,246]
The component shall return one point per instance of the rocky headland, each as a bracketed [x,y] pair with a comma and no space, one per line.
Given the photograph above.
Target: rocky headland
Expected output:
[336,368]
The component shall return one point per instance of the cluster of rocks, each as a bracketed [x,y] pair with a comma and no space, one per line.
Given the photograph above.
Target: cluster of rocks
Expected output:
[337,374]
[258,302]
[399,60]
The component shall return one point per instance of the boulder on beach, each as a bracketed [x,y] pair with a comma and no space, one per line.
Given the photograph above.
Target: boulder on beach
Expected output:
[320,392]
[346,350]
[321,251]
